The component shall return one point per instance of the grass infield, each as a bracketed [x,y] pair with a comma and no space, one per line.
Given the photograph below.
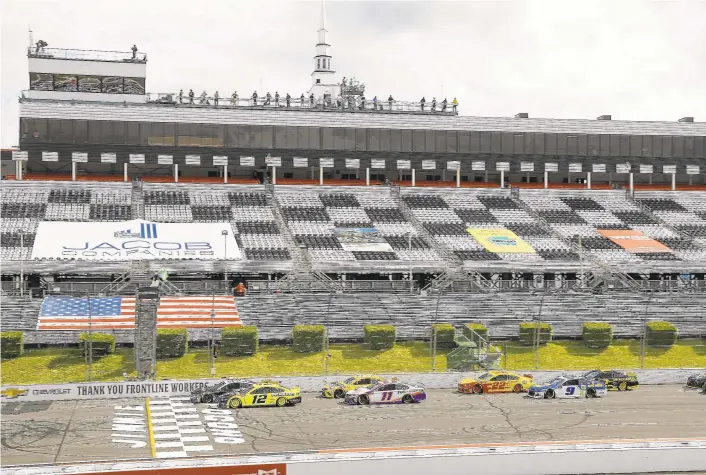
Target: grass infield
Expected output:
[63,365]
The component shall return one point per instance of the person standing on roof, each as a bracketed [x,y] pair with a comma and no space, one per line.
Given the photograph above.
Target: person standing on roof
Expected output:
[203,98]
[422,103]
[254,98]
[433,104]
[276,99]
[389,101]
[134,52]
[454,104]
[443,105]
[234,98]
[181,96]
[311,99]
[215,98]
[288,99]
[375,103]
[191,96]
[362,102]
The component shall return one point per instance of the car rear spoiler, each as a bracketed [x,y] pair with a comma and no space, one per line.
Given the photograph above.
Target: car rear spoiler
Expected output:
[528,376]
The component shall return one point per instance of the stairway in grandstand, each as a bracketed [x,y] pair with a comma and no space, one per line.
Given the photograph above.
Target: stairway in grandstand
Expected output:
[146,316]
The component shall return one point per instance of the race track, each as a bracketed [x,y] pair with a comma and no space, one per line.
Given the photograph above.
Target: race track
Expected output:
[71,431]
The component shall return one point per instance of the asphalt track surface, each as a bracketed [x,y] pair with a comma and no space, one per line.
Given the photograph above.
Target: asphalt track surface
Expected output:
[74,431]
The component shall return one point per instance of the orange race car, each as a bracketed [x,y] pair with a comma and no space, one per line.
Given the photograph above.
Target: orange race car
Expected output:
[496,382]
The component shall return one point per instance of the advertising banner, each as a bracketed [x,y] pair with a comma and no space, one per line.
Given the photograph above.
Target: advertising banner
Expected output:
[137,239]
[633,241]
[362,239]
[500,240]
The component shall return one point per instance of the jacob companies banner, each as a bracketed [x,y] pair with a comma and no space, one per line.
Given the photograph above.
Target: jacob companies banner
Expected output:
[362,239]
[500,240]
[634,241]
[138,239]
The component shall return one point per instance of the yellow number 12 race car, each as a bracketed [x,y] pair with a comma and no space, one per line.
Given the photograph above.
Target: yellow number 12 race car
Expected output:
[261,395]
[496,382]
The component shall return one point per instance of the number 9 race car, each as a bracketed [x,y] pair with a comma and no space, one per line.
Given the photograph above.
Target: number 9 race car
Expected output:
[496,382]
[263,394]
[338,389]
[568,387]
[387,393]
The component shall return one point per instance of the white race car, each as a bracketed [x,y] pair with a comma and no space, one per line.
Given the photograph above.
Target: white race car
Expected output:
[568,387]
[387,393]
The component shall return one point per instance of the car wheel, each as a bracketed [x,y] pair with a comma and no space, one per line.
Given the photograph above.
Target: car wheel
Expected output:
[281,402]
[207,398]
[339,393]
[549,394]
[591,393]
[623,386]
[477,389]
[517,389]
[235,403]
[363,399]
[407,399]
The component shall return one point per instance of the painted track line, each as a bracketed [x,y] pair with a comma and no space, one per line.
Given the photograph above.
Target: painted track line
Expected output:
[150,429]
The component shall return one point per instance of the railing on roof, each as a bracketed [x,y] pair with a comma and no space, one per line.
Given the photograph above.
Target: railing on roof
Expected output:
[306,103]
[86,55]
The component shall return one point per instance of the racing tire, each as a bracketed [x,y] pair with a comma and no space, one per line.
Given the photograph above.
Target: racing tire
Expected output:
[235,403]
[339,393]
[207,398]
[407,399]
[281,402]
[477,389]
[517,389]
[549,394]
[591,393]
[623,386]
[363,400]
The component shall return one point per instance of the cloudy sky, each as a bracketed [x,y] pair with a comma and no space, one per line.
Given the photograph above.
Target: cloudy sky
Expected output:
[636,60]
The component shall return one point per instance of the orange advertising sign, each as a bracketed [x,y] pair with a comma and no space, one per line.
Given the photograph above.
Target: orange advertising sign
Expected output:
[260,469]
[633,241]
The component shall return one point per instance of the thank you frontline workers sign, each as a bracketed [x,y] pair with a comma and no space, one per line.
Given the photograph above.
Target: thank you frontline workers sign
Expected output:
[500,240]
[137,239]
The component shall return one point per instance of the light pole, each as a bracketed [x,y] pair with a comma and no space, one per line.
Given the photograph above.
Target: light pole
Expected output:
[22,267]
[225,259]
[643,343]
[433,332]
[90,340]
[409,259]
[212,340]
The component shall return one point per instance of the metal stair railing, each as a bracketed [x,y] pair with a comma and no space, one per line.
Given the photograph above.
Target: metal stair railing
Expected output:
[146,305]
[138,201]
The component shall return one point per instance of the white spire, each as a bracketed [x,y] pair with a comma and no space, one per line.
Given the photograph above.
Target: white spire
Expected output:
[323,82]
[322,25]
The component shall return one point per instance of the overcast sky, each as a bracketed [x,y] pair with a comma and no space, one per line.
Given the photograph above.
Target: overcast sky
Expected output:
[636,60]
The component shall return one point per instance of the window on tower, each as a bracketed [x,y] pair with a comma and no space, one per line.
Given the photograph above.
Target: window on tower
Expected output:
[318,64]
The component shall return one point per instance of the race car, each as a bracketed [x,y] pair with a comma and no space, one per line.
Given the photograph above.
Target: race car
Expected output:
[568,387]
[614,379]
[387,393]
[496,382]
[338,389]
[209,394]
[697,381]
[261,394]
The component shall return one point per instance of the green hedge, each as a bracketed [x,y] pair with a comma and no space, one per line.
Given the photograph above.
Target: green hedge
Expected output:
[479,329]
[12,344]
[308,338]
[527,333]
[103,343]
[445,335]
[379,337]
[597,334]
[240,341]
[662,334]
[172,342]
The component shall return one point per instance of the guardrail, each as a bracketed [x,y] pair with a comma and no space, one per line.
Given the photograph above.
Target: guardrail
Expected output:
[86,55]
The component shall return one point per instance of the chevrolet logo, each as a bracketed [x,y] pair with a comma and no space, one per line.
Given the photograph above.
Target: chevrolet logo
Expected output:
[13,393]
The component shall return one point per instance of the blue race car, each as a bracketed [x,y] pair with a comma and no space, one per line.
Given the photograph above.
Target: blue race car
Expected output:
[567,387]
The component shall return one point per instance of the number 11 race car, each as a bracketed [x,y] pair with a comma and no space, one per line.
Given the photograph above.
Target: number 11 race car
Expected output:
[387,393]
[568,387]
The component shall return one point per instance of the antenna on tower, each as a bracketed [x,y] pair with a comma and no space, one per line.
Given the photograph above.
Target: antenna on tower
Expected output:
[31,38]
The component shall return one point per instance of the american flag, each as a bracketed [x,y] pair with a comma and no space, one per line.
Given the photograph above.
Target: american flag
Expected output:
[195,312]
[118,313]
[71,313]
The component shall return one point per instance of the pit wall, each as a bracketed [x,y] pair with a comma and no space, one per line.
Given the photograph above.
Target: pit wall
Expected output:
[127,389]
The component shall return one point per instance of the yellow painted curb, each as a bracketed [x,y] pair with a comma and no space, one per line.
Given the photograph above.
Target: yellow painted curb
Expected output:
[150,429]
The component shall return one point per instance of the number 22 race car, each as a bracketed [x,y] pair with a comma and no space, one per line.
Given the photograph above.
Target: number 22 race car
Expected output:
[496,382]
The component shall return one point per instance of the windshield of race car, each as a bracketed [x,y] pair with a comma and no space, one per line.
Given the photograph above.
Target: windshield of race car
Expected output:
[349,380]
[484,376]
[217,386]
[556,381]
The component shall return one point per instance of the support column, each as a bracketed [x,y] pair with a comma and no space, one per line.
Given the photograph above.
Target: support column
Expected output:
[274,175]
[73,171]
[502,178]
[632,184]
[176,173]
[125,172]
[485,176]
[321,175]
[546,180]
[458,178]
[674,181]
[18,170]
[414,177]
[588,179]
[225,174]
[367,177]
